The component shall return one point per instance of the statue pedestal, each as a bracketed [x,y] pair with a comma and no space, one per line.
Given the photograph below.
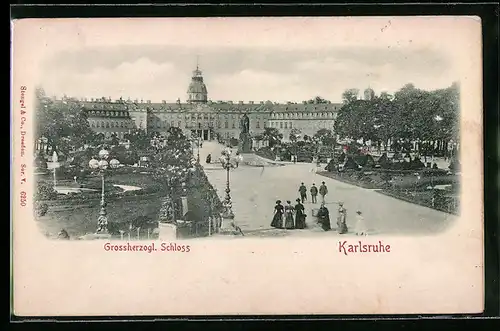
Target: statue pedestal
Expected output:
[245,145]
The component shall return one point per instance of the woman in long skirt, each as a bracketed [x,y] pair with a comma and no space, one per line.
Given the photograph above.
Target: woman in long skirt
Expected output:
[300,216]
[341,219]
[278,216]
[289,224]
[324,217]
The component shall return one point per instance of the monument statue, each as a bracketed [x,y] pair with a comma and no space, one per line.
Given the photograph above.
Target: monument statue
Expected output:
[245,139]
[245,124]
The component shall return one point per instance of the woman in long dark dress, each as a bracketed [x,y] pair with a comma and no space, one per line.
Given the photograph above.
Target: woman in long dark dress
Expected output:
[324,217]
[289,215]
[278,216]
[300,216]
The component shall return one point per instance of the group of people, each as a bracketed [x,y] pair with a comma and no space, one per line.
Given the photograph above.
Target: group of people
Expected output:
[288,216]
[324,220]
[294,217]
[323,191]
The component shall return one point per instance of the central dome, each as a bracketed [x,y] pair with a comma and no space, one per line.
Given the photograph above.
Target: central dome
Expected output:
[197,91]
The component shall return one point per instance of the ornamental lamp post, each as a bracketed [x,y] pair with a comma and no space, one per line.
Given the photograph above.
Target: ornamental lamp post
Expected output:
[227,205]
[198,151]
[102,165]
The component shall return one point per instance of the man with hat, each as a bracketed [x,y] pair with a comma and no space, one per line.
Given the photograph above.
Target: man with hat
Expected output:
[314,193]
[303,192]
[323,190]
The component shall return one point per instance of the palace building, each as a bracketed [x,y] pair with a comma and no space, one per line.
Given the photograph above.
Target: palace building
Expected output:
[204,118]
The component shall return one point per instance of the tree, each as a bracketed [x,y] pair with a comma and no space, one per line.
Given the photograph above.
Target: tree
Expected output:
[294,135]
[139,139]
[326,137]
[114,140]
[273,136]
[317,100]
[63,123]
[350,95]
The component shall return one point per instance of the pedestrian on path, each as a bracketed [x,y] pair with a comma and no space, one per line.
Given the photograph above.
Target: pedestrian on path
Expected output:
[303,192]
[323,190]
[324,217]
[300,215]
[289,223]
[341,219]
[360,224]
[314,193]
[238,159]
[278,216]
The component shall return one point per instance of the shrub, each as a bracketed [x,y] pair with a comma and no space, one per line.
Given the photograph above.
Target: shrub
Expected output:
[45,191]
[41,208]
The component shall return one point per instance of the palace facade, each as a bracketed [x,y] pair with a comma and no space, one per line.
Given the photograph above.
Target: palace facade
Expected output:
[207,119]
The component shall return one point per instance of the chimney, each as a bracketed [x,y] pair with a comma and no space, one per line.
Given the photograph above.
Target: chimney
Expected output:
[142,100]
[250,102]
[92,99]
[163,101]
[149,101]
[240,102]
[262,102]
[136,100]
[304,102]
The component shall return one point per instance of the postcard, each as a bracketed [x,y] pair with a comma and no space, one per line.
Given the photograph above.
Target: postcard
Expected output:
[247,166]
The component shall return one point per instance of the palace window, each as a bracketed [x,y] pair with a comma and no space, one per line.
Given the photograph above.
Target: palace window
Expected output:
[257,125]
[281,125]
[233,126]
[199,125]
[226,125]
[286,125]
[179,124]
[290,125]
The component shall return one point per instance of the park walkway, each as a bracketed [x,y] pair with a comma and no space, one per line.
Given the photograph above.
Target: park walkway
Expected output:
[255,189]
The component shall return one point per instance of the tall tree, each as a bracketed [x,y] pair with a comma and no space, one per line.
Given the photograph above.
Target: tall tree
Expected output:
[294,135]
[139,139]
[273,136]
[326,137]
[350,95]
[62,122]
[317,100]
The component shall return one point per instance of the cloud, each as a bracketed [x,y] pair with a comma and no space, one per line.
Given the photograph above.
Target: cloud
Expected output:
[272,73]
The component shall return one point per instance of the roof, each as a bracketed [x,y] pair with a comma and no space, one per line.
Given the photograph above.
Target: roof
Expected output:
[218,106]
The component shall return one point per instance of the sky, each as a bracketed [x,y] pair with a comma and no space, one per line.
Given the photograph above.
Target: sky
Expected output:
[250,59]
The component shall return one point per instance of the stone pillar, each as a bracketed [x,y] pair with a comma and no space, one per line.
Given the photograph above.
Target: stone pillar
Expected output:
[227,225]
[167,231]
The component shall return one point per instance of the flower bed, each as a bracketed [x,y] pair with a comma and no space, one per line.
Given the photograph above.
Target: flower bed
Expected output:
[404,185]
[425,198]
